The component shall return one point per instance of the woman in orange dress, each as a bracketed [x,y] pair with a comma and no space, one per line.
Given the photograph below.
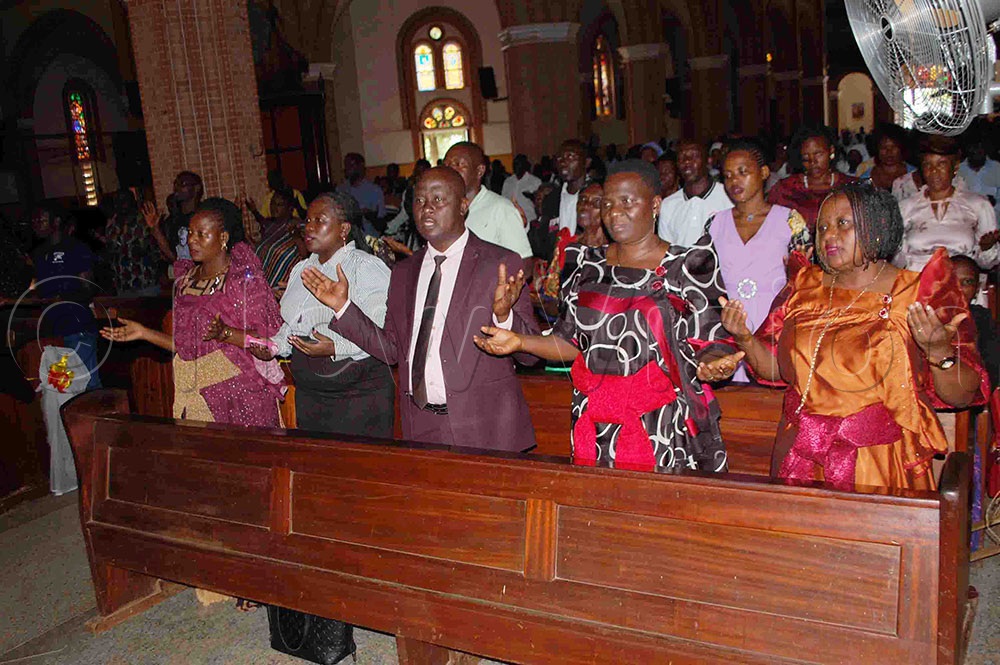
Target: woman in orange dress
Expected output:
[867,352]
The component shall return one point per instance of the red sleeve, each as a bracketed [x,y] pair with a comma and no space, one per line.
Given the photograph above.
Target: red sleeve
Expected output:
[777,195]
[938,287]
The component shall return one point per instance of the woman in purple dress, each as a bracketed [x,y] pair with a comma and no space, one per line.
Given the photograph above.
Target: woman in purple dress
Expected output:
[753,239]
[221,302]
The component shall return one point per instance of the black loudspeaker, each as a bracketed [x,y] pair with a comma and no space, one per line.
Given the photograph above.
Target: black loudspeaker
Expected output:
[487,83]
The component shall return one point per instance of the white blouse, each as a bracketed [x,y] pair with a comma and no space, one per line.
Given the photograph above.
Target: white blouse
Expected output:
[958,225]
[302,312]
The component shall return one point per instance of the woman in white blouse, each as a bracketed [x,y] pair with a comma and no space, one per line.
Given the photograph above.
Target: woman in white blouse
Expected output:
[338,387]
[945,214]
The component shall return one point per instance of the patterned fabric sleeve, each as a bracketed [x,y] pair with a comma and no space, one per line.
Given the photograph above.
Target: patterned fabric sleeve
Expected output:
[800,240]
[565,326]
[938,288]
[700,287]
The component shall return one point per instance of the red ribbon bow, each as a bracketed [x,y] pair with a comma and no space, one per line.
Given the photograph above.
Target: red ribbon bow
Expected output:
[620,400]
[832,442]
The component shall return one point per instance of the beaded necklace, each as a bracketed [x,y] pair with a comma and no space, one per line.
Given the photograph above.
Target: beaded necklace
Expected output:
[833,317]
[805,180]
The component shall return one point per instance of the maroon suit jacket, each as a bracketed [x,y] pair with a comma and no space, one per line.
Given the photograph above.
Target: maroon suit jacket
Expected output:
[486,407]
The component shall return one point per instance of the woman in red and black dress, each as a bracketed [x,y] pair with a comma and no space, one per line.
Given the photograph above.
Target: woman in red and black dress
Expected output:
[811,154]
[640,324]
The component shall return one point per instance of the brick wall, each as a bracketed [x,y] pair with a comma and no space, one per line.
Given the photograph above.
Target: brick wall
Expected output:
[199,94]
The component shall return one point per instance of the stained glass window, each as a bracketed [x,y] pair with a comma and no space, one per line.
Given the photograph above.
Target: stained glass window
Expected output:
[424,63]
[78,124]
[444,116]
[82,130]
[604,80]
[454,75]
[435,32]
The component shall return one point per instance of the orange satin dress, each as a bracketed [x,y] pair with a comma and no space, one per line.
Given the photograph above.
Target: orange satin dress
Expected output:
[868,357]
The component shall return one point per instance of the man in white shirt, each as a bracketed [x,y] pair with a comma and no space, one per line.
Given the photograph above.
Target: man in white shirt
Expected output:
[684,213]
[523,181]
[449,391]
[491,217]
[980,173]
[572,164]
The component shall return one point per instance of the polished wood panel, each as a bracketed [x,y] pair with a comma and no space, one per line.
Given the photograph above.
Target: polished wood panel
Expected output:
[560,564]
[232,492]
[453,526]
[732,566]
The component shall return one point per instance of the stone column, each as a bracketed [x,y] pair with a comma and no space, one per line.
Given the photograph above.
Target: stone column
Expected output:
[753,99]
[787,94]
[814,94]
[647,68]
[199,95]
[334,157]
[709,118]
[542,82]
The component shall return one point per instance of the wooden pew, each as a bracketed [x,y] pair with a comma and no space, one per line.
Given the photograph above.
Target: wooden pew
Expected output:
[523,559]
[750,419]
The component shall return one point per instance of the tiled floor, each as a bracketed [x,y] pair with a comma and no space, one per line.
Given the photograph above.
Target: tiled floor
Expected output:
[47,598]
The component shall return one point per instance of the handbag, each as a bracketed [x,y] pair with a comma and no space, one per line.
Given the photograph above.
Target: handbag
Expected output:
[310,637]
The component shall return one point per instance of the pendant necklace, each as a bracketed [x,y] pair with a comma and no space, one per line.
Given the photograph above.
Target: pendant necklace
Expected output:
[832,317]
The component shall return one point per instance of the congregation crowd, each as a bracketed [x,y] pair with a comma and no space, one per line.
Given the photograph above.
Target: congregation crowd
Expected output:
[847,270]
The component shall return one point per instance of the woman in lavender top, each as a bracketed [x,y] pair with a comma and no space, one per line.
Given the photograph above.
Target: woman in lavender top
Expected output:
[754,237]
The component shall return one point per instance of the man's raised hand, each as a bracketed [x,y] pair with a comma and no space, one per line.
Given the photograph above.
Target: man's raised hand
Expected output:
[507,291]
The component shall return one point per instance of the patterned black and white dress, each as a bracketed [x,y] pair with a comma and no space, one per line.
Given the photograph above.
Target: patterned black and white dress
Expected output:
[647,325]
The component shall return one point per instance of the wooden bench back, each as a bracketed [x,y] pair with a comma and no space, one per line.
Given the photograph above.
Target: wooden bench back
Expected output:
[521,559]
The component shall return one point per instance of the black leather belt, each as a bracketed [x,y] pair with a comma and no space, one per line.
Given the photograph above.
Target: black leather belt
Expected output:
[438,409]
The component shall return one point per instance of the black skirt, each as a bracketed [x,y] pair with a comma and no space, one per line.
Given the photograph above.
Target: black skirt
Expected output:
[344,396]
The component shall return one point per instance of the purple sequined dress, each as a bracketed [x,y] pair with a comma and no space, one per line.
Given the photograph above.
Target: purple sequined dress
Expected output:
[215,381]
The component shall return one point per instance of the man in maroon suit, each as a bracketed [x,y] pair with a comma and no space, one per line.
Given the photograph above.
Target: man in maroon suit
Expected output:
[449,391]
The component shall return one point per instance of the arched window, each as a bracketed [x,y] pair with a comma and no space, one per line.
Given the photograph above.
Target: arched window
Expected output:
[454,72]
[84,136]
[423,58]
[604,79]
[439,63]
[444,123]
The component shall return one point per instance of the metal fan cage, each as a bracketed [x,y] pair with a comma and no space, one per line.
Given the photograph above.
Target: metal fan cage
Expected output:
[930,58]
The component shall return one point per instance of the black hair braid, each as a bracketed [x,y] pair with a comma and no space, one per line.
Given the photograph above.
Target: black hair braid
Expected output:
[878,224]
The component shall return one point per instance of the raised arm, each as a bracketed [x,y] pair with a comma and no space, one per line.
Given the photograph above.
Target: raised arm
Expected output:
[130,331]
[758,355]
[500,342]
[349,321]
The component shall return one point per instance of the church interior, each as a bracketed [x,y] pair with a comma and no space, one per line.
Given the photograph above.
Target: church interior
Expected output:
[433,553]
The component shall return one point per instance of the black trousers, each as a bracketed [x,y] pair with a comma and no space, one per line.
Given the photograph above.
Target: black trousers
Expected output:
[344,396]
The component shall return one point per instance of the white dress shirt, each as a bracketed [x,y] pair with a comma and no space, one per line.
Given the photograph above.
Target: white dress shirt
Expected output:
[497,220]
[433,373]
[567,210]
[514,189]
[368,277]
[683,219]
